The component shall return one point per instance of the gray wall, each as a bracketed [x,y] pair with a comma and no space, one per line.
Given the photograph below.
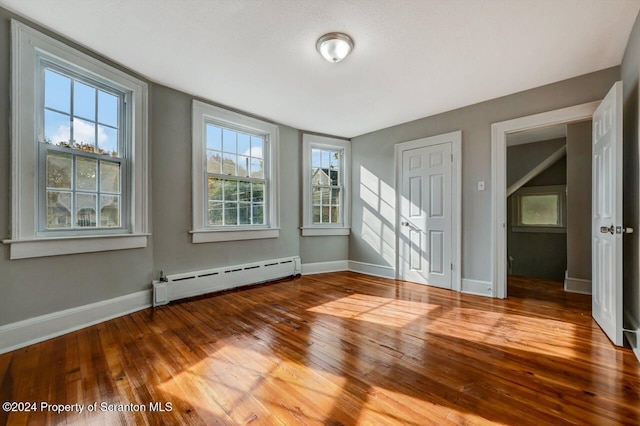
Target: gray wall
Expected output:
[521,159]
[630,71]
[579,200]
[32,287]
[537,254]
[38,286]
[373,155]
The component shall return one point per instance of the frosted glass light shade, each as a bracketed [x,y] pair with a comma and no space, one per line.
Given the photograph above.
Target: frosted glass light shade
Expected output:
[334,47]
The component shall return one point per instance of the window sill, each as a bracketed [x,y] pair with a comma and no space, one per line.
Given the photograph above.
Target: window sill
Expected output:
[322,231]
[540,229]
[221,235]
[25,249]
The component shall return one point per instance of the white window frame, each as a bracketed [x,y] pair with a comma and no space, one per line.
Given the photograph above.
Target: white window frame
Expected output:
[29,49]
[559,190]
[310,229]
[201,232]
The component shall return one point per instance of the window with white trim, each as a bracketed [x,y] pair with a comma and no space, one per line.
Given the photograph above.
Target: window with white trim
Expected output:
[234,176]
[539,209]
[326,163]
[79,151]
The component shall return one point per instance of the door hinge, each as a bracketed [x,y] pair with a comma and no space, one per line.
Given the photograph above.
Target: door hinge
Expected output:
[452,158]
[452,266]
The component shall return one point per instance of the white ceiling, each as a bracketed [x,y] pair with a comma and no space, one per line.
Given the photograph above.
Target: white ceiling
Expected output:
[412,58]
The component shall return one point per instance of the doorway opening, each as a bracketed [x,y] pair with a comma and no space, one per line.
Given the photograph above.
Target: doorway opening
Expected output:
[500,132]
[549,210]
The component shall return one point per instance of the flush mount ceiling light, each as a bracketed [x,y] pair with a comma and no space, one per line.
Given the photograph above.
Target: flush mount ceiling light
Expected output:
[334,47]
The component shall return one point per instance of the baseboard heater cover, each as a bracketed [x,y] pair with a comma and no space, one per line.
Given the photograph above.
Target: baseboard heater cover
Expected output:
[189,284]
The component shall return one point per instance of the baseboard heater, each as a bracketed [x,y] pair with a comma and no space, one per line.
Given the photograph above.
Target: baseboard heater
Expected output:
[189,284]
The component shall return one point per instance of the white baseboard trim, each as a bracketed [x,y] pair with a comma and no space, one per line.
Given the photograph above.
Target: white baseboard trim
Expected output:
[577,285]
[477,287]
[633,338]
[323,267]
[27,332]
[381,271]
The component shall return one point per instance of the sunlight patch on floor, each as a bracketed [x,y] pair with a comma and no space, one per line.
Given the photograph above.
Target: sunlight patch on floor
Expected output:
[376,310]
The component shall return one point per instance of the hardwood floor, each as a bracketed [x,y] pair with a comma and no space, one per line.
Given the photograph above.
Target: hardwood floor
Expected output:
[339,348]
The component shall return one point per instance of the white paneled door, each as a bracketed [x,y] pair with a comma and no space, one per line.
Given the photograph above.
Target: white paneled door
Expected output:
[607,228]
[426,215]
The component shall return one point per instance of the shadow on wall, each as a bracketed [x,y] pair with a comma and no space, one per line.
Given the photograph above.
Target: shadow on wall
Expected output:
[378,215]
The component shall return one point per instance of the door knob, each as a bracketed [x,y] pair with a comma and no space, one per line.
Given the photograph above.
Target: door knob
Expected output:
[606,230]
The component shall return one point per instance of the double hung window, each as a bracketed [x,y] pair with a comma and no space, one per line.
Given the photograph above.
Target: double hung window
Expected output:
[234,178]
[79,151]
[326,163]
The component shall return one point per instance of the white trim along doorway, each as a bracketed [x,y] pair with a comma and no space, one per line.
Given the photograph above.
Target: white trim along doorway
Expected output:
[499,133]
[454,140]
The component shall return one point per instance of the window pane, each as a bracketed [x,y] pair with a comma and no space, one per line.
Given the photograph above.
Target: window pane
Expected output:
[108,141]
[214,162]
[86,174]
[57,128]
[84,101]
[244,191]
[324,159]
[57,91]
[215,213]
[109,211]
[108,108]
[215,189]
[539,209]
[257,168]
[245,213]
[244,145]
[214,137]
[59,170]
[229,164]
[334,160]
[257,144]
[316,195]
[335,214]
[315,158]
[109,177]
[84,134]
[258,214]
[231,190]
[229,141]
[231,213]
[58,209]
[86,210]
[316,214]
[325,214]
[243,165]
[258,192]
[325,196]
[335,196]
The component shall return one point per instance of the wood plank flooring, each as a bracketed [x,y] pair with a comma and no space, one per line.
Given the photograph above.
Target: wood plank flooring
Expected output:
[339,348]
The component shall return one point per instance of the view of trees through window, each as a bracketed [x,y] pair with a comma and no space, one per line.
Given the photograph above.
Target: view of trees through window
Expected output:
[235,177]
[82,161]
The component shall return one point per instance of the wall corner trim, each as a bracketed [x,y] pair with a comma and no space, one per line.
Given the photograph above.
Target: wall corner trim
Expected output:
[34,330]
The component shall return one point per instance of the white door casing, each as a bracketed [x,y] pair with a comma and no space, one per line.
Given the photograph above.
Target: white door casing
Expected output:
[607,227]
[499,132]
[428,185]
